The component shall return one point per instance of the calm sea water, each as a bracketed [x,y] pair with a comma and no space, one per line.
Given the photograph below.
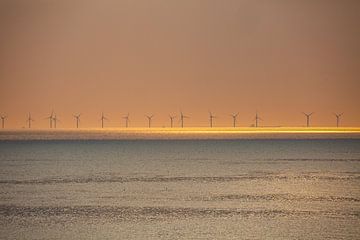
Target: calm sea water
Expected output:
[180,189]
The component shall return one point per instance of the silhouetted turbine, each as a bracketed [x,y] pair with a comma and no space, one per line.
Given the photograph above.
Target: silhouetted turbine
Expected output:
[126,120]
[171,120]
[211,117]
[182,117]
[234,116]
[149,119]
[102,119]
[308,115]
[257,118]
[77,117]
[29,120]
[55,120]
[3,121]
[51,117]
[338,115]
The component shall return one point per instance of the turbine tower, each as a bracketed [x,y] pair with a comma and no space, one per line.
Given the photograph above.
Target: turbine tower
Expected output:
[234,117]
[29,120]
[77,117]
[55,119]
[51,118]
[338,115]
[182,116]
[149,119]
[308,115]
[257,118]
[126,120]
[171,120]
[102,119]
[211,117]
[3,121]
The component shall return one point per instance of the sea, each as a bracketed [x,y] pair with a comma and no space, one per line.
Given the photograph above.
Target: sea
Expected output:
[250,188]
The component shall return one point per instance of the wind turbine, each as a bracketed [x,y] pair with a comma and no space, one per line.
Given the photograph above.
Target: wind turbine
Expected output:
[234,116]
[51,118]
[102,119]
[257,118]
[182,116]
[338,115]
[3,121]
[149,119]
[29,120]
[126,120]
[171,120]
[308,115]
[211,117]
[55,120]
[77,117]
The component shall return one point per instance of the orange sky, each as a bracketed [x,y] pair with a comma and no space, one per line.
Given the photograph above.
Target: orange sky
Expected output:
[280,57]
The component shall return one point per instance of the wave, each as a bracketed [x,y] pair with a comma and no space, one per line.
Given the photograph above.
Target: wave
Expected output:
[314,159]
[200,179]
[290,160]
[275,197]
[155,212]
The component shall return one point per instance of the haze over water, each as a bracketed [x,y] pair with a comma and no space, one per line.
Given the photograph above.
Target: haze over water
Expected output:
[180,189]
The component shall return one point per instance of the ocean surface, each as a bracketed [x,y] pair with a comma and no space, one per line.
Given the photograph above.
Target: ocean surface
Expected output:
[180,189]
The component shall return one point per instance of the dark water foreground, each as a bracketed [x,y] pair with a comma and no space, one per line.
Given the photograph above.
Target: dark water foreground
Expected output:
[180,189]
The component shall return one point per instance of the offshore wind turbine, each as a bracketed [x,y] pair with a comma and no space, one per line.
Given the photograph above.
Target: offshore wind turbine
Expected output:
[126,120]
[257,118]
[55,119]
[102,119]
[211,119]
[338,115]
[51,118]
[149,119]
[29,120]
[77,117]
[234,117]
[182,116]
[171,120]
[3,117]
[308,115]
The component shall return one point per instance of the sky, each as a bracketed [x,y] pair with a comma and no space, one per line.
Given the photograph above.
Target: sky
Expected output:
[277,57]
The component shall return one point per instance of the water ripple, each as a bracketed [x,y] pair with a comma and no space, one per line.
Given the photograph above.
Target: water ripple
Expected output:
[120,179]
[159,212]
[275,197]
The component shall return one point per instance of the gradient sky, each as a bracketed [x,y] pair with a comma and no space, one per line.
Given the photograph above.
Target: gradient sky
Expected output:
[280,57]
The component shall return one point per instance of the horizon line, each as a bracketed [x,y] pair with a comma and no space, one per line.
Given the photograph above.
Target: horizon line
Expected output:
[280,129]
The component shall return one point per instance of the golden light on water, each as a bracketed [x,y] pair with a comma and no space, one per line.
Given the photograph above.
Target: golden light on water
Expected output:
[181,133]
[222,130]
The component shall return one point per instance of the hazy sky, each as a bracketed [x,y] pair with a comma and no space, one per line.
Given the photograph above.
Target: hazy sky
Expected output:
[280,57]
